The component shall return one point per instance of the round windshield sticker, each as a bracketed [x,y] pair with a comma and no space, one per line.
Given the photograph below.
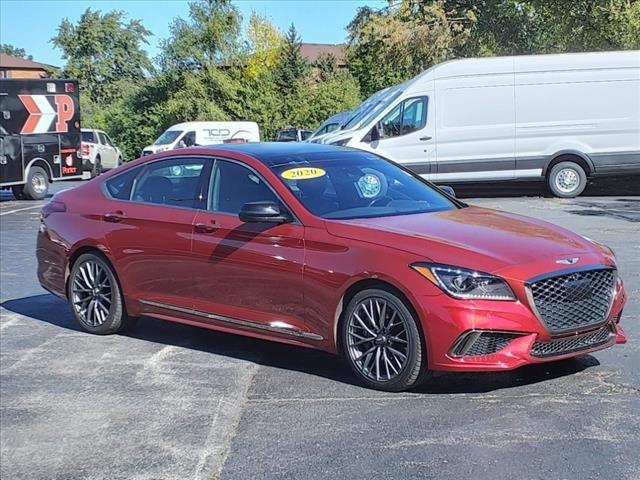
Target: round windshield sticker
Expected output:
[303,173]
[370,185]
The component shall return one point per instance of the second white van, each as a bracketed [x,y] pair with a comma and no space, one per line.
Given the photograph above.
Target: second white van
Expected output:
[191,134]
[561,118]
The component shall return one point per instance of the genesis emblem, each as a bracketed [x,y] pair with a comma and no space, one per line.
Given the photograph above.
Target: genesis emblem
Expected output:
[568,261]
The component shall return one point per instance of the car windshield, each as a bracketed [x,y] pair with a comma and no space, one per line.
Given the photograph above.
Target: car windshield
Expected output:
[372,106]
[350,184]
[168,137]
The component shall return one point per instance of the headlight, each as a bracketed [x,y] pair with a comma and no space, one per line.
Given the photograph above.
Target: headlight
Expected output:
[341,143]
[465,284]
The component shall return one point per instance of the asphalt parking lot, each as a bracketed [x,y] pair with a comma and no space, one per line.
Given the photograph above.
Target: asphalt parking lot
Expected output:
[169,401]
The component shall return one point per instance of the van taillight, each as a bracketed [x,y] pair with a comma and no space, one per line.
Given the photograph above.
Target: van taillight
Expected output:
[85,150]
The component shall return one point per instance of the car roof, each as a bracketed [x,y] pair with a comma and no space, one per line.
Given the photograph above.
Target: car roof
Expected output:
[273,153]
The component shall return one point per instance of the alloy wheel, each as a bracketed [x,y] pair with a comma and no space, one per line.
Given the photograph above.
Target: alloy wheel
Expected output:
[39,183]
[377,339]
[92,293]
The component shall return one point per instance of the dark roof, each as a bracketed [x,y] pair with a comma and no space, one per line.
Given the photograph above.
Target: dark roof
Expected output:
[275,153]
[312,51]
[9,61]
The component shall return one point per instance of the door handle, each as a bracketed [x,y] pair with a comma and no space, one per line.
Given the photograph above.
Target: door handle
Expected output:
[114,217]
[424,139]
[205,227]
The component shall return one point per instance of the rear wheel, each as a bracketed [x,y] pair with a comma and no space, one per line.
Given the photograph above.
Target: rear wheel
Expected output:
[97,167]
[95,296]
[567,179]
[37,185]
[382,343]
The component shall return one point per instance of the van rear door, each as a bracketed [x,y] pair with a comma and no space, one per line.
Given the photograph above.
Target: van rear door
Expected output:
[476,126]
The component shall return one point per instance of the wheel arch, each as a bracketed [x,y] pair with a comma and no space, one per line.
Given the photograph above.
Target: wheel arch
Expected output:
[570,156]
[39,162]
[81,250]
[370,283]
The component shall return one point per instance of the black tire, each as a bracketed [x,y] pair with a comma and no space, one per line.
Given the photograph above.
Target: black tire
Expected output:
[18,192]
[409,372]
[37,186]
[105,318]
[120,161]
[567,179]
[97,167]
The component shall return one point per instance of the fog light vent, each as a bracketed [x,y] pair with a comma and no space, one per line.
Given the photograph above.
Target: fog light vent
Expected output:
[477,343]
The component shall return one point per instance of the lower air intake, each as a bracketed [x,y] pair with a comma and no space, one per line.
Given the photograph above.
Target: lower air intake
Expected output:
[562,346]
[479,343]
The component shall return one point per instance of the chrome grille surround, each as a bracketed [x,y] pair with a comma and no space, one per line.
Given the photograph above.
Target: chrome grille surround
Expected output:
[572,344]
[573,300]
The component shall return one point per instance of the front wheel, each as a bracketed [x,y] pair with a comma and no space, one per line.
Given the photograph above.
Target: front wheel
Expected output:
[382,343]
[567,179]
[95,296]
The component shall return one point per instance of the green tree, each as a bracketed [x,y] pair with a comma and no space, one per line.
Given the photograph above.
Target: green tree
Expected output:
[391,45]
[101,51]
[9,49]
[208,38]
[292,66]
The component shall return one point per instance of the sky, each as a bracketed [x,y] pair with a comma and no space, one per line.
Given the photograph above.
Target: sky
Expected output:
[30,24]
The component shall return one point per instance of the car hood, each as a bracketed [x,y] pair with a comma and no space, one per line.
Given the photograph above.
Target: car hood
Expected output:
[474,237]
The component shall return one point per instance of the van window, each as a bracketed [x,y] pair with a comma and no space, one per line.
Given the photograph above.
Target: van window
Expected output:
[168,137]
[89,137]
[189,139]
[406,117]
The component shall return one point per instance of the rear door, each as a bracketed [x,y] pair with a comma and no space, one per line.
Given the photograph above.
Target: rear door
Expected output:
[246,271]
[149,223]
[108,153]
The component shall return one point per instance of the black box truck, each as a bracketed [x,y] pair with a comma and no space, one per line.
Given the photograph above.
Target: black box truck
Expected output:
[39,135]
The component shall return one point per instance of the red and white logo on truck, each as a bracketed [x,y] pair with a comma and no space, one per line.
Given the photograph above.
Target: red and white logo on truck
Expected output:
[47,113]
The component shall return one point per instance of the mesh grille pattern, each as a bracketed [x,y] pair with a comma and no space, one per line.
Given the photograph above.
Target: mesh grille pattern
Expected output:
[486,343]
[562,346]
[574,300]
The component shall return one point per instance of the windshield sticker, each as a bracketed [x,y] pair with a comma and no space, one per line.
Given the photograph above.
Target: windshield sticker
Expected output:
[370,185]
[303,173]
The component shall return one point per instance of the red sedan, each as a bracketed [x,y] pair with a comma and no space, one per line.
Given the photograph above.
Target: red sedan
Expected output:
[328,248]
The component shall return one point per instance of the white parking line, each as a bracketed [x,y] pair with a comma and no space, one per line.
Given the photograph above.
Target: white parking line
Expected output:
[20,210]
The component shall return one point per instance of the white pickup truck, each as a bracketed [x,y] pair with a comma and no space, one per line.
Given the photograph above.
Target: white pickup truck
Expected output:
[98,152]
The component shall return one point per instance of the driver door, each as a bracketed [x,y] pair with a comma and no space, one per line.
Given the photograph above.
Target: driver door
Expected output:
[246,271]
[407,136]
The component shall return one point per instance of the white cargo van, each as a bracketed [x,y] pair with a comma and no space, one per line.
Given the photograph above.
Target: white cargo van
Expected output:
[190,134]
[562,118]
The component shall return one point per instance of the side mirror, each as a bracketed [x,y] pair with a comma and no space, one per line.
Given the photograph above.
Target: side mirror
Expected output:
[374,134]
[182,144]
[269,212]
[448,190]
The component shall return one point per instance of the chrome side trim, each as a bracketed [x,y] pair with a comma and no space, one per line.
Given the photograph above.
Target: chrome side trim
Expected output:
[276,327]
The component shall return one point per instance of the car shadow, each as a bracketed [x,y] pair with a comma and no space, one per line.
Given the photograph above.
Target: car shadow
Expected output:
[50,309]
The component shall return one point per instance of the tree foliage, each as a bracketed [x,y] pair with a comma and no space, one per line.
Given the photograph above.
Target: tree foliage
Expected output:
[103,50]
[9,49]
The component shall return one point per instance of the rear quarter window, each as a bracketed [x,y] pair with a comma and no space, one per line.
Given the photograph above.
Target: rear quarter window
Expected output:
[120,186]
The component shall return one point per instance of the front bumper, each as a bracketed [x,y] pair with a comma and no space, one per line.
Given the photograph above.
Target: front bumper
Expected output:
[517,334]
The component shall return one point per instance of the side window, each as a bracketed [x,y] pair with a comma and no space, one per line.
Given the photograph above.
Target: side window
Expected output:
[119,187]
[103,139]
[189,139]
[88,137]
[406,117]
[177,181]
[233,185]
[107,140]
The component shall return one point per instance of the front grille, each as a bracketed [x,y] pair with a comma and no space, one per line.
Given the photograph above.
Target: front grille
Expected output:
[574,301]
[562,346]
[477,343]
